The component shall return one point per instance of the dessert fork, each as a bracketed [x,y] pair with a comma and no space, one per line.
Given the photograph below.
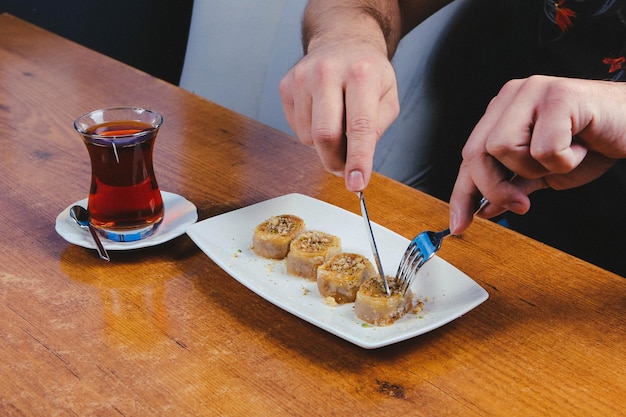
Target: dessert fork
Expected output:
[420,250]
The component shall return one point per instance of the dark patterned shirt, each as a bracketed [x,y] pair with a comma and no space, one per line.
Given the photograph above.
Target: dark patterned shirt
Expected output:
[580,39]
[584,38]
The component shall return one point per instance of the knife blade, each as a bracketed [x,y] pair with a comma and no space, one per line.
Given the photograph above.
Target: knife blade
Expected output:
[370,235]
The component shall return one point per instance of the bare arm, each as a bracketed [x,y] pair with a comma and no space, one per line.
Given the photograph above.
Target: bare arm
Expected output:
[342,95]
[324,19]
[374,21]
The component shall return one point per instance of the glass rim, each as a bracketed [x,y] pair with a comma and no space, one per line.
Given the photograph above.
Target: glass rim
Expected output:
[134,109]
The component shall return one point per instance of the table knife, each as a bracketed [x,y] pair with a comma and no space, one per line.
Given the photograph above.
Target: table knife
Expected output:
[370,235]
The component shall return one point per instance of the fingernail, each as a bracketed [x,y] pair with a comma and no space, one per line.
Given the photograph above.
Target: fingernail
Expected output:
[356,181]
[454,222]
[338,173]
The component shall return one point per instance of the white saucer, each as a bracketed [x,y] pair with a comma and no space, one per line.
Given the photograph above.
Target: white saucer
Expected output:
[179,214]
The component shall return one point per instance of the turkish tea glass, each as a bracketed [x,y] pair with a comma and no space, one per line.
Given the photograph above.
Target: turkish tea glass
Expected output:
[125,202]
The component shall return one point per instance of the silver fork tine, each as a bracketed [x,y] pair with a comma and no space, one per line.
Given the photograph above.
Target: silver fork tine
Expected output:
[411,262]
[410,252]
[420,250]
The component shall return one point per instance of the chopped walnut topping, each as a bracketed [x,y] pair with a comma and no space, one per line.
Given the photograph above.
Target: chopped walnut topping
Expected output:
[281,225]
[348,264]
[313,241]
[376,288]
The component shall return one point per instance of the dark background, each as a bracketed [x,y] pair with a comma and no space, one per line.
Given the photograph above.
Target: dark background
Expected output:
[150,35]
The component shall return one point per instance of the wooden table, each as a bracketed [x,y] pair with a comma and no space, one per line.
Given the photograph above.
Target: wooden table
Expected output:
[165,331]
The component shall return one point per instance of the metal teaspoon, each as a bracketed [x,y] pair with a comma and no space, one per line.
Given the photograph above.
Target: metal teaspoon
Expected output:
[81,217]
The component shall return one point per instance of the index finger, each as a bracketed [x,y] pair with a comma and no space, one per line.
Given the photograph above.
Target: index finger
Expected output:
[371,106]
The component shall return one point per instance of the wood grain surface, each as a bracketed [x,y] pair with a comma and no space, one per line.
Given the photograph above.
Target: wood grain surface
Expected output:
[165,331]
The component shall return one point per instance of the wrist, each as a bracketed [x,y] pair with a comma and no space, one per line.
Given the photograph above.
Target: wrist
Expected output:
[344,25]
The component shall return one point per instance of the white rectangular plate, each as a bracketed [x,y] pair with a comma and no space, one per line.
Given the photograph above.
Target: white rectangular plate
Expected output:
[226,239]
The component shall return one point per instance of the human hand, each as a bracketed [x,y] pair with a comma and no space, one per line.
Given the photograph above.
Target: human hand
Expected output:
[547,131]
[340,98]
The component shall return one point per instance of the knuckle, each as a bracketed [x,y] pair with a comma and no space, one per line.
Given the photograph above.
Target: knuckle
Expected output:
[497,148]
[471,150]
[322,71]
[556,161]
[284,88]
[325,136]
[360,125]
[361,69]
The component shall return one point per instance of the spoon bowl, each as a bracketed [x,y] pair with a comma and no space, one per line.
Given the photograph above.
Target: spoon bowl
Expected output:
[81,217]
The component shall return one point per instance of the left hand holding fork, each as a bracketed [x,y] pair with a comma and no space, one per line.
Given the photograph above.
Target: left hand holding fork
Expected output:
[549,132]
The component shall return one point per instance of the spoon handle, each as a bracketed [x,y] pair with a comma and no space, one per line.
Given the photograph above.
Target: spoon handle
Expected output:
[101,251]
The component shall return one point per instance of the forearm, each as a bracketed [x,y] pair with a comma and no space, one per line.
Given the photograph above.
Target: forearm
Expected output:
[375,21]
[381,22]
